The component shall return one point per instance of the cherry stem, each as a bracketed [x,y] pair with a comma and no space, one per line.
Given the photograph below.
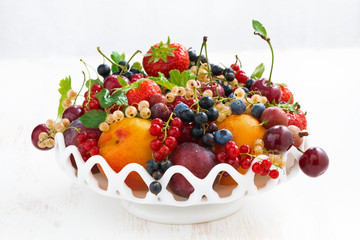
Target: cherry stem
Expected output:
[199,58]
[80,88]
[272,60]
[238,59]
[127,63]
[300,150]
[303,133]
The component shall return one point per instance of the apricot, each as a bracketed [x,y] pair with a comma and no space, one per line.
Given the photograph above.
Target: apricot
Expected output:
[245,130]
[127,141]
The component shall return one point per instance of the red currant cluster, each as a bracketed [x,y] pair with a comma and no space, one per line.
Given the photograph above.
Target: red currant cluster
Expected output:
[91,102]
[235,156]
[167,135]
[88,144]
[263,168]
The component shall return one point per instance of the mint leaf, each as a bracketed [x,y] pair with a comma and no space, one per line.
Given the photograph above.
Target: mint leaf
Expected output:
[137,65]
[258,72]
[93,118]
[258,27]
[117,57]
[122,81]
[163,81]
[92,82]
[106,100]
[65,86]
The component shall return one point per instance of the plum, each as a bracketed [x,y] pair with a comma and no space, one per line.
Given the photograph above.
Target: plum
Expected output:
[273,116]
[70,137]
[197,159]
[160,110]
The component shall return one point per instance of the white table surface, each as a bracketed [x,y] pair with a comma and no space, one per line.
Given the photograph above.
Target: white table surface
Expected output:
[39,201]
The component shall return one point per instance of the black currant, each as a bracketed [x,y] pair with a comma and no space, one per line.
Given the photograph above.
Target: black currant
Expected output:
[212,128]
[228,89]
[123,63]
[200,118]
[206,102]
[216,70]
[165,164]
[197,132]
[116,73]
[155,187]
[134,70]
[128,75]
[249,83]
[208,140]
[157,175]
[230,77]
[152,166]
[202,58]
[246,90]
[227,71]
[103,70]
[187,115]
[192,55]
[212,114]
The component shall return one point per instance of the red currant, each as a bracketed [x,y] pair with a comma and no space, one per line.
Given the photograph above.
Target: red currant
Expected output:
[155,144]
[221,157]
[265,172]
[94,151]
[235,162]
[161,137]
[191,104]
[180,99]
[82,137]
[245,149]
[177,122]
[158,156]
[171,143]
[89,144]
[174,132]
[274,174]
[245,163]
[235,67]
[233,151]
[229,144]
[94,104]
[266,164]
[158,121]
[164,150]
[93,135]
[177,103]
[155,130]
[96,88]
[257,168]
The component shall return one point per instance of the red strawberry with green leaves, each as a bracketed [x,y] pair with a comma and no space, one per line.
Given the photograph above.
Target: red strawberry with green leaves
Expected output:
[286,94]
[298,119]
[146,89]
[166,57]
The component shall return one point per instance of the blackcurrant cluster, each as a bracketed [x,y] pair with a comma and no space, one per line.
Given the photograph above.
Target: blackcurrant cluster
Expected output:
[156,170]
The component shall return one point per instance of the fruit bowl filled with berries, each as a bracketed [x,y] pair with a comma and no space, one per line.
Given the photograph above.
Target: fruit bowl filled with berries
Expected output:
[178,138]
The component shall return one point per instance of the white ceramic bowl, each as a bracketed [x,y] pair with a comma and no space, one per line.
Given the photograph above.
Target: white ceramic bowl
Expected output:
[206,203]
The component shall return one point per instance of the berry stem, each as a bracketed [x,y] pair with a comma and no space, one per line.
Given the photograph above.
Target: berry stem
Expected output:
[81,87]
[127,63]
[272,60]
[199,58]
[207,59]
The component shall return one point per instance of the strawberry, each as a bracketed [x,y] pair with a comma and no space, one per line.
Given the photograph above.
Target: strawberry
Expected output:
[298,119]
[286,94]
[166,57]
[146,89]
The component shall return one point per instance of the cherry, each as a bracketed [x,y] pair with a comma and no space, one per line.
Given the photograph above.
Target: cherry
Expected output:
[314,162]
[35,135]
[73,112]
[278,138]
[272,92]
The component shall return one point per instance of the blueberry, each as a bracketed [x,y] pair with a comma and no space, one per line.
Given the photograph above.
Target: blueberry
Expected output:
[192,55]
[212,128]
[227,71]
[115,73]
[152,166]
[216,70]
[212,114]
[230,77]
[228,89]
[249,83]
[165,164]
[187,115]
[157,175]
[155,187]
[238,107]
[123,63]
[223,136]
[231,95]
[179,108]
[257,110]
[197,132]
[134,70]
[103,70]
[128,75]
[206,102]
[200,118]
[208,140]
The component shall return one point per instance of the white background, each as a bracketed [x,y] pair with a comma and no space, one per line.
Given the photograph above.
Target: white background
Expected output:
[317,50]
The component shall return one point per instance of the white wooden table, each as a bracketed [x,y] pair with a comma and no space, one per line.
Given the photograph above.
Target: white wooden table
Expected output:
[39,201]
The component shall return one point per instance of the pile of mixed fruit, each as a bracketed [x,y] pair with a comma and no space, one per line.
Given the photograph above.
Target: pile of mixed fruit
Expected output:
[178,108]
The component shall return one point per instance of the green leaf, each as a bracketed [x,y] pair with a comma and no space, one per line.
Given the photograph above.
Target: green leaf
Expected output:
[258,72]
[106,100]
[181,79]
[163,81]
[137,65]
[114,68]
[132,85]
[91,82]
[93,118]
[65,86]
[117,57]
[122,81]
[258,27]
